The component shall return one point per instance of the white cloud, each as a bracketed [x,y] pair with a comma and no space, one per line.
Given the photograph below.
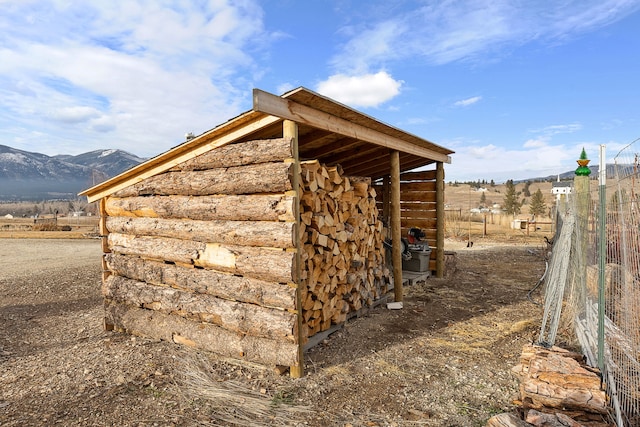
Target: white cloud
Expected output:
[467,102]
[124,74]
[441,32]
[77,114]
[364,90]
[556,129]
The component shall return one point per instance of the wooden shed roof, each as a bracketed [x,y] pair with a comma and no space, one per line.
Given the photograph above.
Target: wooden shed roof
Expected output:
[327,130]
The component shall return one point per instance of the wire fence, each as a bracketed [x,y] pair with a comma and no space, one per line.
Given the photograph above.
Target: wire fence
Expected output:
[596,285]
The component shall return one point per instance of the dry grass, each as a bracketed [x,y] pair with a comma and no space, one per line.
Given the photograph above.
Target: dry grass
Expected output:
[232,403]
[63,228]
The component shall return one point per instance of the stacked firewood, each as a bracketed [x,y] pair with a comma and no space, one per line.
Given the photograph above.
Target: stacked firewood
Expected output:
[343,256]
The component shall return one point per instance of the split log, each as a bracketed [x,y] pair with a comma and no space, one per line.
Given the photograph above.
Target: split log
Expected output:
[261,263]
[167,327]
[236,316]
[260,178]
[506,420]
[245,233]
[255,207]
[202,281]
[240,154]
[343,253]
[553,378]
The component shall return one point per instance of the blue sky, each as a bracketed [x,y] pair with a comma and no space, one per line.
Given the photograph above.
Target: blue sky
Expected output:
[515,88]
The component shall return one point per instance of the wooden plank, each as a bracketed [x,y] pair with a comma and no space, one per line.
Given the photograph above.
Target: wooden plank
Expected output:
[244,233]
[440,220]
[204,281]
[167,327]
[426,186]
[250,319]
[290,131]
[418,196]
[222,135]
[102,227]
[425,224]
[260,178]
[249,207]
[418,214]
[418,176]
[288,109]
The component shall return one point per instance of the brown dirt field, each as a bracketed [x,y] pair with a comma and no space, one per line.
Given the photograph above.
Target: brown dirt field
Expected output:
[443,360]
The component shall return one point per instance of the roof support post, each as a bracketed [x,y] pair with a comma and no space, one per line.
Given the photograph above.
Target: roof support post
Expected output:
[396,233]
[290,130]
[439,220]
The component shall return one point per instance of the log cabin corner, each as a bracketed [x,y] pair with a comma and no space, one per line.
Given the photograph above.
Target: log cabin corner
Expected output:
[251,238]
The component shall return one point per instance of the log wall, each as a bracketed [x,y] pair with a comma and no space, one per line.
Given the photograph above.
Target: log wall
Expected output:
[417,206]
[203,254]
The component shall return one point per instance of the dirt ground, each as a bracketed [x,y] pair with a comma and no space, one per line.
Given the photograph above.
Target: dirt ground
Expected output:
[443,360]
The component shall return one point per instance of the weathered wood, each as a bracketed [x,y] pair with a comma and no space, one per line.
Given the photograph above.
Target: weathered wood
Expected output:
[428,224]
[154,324]
[343,253]
[419,196]
[245,233]
[440,261]
[554,378]
[290,132]
[395,225]
[236,316]
[261,263]
[418,176]
[260,178]
[203,281]
[240,154]
[288,109]
[255,207]
[506,420]
[428,186]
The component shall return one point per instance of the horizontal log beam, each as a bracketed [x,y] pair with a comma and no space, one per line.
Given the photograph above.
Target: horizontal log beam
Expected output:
[240,154]
[235,316]
[227,133]
[267,264]
[220,207]
[167,327]
[244,233]
[202,281]
[261,178]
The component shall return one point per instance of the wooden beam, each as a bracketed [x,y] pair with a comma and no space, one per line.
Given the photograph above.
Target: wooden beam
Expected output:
[215,138]
[396,233]
[290,131]
[290,110]
[440,220]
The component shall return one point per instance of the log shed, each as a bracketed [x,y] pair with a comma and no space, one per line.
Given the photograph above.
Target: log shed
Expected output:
[252,237]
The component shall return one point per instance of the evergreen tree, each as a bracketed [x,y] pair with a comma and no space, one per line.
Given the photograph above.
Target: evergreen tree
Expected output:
[537,206]
[483,199]
[512,204]
[526,191]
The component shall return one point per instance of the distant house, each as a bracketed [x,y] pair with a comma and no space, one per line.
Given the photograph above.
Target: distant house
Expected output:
[561,187]
[8,216]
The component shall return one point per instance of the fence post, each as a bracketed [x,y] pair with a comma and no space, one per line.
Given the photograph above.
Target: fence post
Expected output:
[581,184]
[602,248]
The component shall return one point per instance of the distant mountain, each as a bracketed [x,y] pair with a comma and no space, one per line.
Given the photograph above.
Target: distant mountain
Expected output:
[33,176]
[569,175]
